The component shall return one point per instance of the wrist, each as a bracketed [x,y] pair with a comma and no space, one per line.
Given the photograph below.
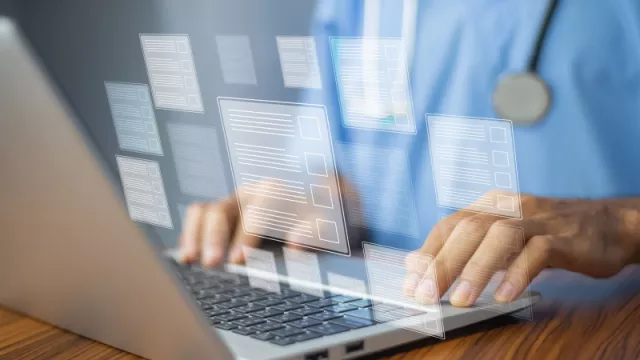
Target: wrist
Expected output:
[629,229]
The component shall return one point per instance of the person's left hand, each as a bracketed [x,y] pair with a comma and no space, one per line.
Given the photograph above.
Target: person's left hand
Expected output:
[585,236]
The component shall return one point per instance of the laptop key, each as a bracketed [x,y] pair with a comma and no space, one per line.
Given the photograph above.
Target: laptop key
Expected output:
[231,316]
[361,303]
[366,314]
[304,323]
[306,311]
[249,308]
[225,326]
[216,312]
[267,326]
[309,335]
[267,313]
[303,299]
[243,331]
[282,341]
[325,316]
[264,336]
[284,318]
[288,306]
[344,298]
[322,303]
[329,329]
[248,321]
[352,322]
[269,302]
[233,303]
[216,299]
[341,308]
[287,331]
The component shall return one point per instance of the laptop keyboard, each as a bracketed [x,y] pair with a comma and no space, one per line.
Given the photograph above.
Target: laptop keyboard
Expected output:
[284,318]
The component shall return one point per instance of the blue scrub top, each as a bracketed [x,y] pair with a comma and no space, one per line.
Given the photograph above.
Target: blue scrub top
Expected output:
[588,146]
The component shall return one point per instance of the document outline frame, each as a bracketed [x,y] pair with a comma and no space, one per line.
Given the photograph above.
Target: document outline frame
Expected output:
[235,181]
[152,110]
[515,165]
[439,320]
[195,73]
[315,47]
[411,110]
[126,204]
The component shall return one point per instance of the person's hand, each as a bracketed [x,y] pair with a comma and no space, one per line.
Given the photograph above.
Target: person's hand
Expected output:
[586,236]
[214,231]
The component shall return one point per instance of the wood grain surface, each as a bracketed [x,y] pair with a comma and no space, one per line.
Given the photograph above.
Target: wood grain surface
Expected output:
[578,318]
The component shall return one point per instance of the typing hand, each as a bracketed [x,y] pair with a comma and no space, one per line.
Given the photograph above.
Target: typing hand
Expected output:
[212,230]
[592,237]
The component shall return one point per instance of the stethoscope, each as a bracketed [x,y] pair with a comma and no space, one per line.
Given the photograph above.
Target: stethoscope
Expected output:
[524,97]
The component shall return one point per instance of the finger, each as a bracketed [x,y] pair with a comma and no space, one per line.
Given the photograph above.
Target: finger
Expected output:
[218,219]
[454,255]
[190,237]
[492,255]
[240,240]
[533,259]
[415,262]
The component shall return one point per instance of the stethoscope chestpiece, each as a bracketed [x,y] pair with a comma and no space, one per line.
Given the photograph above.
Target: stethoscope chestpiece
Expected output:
[523,98]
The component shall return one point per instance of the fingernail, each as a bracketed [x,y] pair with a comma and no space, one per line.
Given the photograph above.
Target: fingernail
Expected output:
[411,283]
[236,255]
[426,291]
[185,255]
[506,292]
[210,255]
[462,294]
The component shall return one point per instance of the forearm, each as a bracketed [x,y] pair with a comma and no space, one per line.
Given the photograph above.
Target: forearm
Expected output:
[628,215]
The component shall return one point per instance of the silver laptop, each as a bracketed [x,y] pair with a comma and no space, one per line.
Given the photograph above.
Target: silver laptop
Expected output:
[71,256]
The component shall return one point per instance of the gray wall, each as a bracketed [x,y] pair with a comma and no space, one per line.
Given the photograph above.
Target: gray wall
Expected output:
[84,43]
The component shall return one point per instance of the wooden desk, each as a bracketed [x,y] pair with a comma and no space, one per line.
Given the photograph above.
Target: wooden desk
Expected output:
[579,318]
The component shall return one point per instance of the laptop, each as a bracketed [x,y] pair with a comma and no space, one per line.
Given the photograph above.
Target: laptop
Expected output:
[71,256]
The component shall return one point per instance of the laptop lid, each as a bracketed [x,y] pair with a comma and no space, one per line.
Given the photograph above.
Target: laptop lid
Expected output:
[64,260]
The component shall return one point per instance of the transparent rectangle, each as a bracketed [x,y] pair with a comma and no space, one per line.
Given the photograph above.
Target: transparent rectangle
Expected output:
[236,59]
[380,195]
[134,118]
[172,72]
[267,143]
[299,62]
[144,191]
[261,269]
[198,160]
[386,272]
[474,164]
[373,83]
[303,266]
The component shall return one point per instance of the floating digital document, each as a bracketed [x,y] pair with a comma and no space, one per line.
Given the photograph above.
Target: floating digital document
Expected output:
[283,166]
[261,269]
[474,164]
[513,241]
[386,272]
[380,195]
[299,62]
[144,191]
[172,72]
[373,83]
[198,161]
[133,117]
[303,266]
[236,59]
